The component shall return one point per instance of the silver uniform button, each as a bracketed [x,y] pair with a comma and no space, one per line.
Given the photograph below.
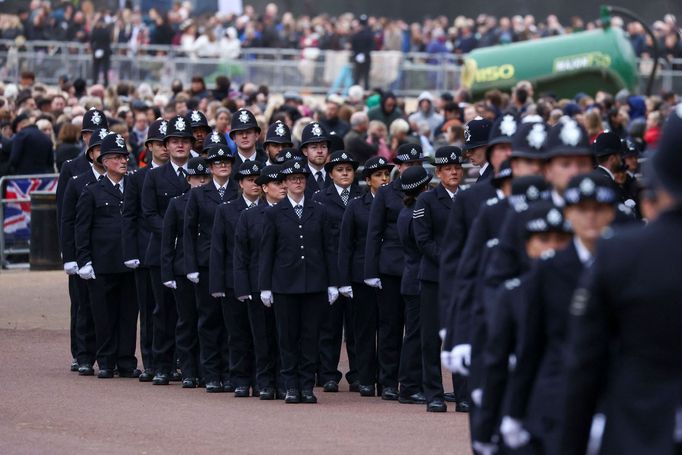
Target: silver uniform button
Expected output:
[302,257]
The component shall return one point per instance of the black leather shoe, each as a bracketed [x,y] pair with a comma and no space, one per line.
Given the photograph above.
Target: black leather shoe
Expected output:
[266,394]
[214,387]
[354,386]
[366,390]
[462,406]
[292,396]
[389,394]
[415,398]
[307,396]
[228,387]
[146,376]
[161,379]
[105,374]
[437,406]
[175,376]
[450,397]
[241,391]
[280,394]
[74,365]
[135,373]
[189,383]
[331,386]
[86,370]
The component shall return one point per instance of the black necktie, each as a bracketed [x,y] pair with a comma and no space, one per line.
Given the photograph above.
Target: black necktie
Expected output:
[299,210]
[252,205]
[181,173]
[320,180]
[221,191]
[100,177]
[345,194]
[118,187]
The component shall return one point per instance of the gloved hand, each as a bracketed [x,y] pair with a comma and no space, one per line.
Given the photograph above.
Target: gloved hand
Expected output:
[170,284]
[484,448]
[446,360]
[513,433]
[346,291]
[132,264]
[71,268]
[461,358]
[87,272]
[477,396]
[332,294]
[441,334]
[217,295]
[193,277]
[267,298]
[373,282]
[244,298]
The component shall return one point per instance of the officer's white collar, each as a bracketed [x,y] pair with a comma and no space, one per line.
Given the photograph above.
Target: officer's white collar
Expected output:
[450,193]
[218,186]
[176,167]
[482,169]
[339,189]
[251,157]
[315,171]
[608,172]
[248,202]
[120,183]
[294,203]
[584,254]
[96,172]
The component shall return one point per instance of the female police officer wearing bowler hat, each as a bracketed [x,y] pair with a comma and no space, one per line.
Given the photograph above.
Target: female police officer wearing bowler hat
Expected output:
[296,269]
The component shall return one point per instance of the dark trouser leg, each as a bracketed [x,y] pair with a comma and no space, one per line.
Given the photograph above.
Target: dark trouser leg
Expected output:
[264,335]
[124,298]
[309,323]
[105,316]
[212,343]
[85,325]
[106,64]
[165,319]
[74,299]
[428,316]
[349,336]
[411,360]
[96,66]
[331,337]
[145,301]
[391,323]
[365,332]
[236,319]
[187,336]
[287,309]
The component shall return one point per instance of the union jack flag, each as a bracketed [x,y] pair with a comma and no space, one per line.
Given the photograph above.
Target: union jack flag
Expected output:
[17,207]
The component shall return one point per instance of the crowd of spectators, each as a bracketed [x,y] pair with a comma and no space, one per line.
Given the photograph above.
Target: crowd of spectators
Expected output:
[223,35]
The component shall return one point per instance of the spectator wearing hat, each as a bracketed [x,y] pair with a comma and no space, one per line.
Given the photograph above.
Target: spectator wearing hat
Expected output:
[537,386]
[161,184]
[98,251]
[247,244]
[136,236]
[352,239]
[297,275]
[278,137]
[338,318]
[614,310]
[387,111]
[426,113]
[82,326]
[331,121]
[31,149]
[221,281]
[244,131]
[316,148]
[174,277]
[199,217]
[383,270]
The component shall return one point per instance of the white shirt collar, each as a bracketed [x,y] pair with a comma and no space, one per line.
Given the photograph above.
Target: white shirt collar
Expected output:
[217,186]
[584,254]
[340,189]
[114,183]
[97,174]
[294,203]
[483,168]
[557,199]
[176,167]
[248,203]
[153,165]
[315,171]
[251,157]
[608,172]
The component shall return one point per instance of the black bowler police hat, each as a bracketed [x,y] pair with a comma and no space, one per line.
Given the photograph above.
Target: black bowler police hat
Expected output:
[408,153]
[270,173]
[476,133]
[502,130]
[632,147]
[667,161]
[544,217]
[112,144]
[197,166]
[530,188]
[607,143]
[529,141]
[178,126]
[288,154]
[249,168]
[215,139]
[94,119]
[242,120]
[414,178]
[95,139]
[503,174]
[197,119]
[157,131]
[313,132]
[376,163]
[448,154]
[278,133]
[592,186]
[335,142]
[292,167]
[219,153]
[567,138]
[340,157]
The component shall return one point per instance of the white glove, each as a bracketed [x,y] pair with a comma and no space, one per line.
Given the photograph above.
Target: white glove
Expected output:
[71,268]
[244,298]
[170,284]
[513,433]
[332,294]
[346,291]
[461,359]
[477,397]
[441,334]
[484,448]
[217,295]
[132,264]
[193,277]
[373,282]
[446,360]
[86,272]
[267,298]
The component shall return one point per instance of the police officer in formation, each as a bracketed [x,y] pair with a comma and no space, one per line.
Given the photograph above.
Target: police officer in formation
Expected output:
[277,137]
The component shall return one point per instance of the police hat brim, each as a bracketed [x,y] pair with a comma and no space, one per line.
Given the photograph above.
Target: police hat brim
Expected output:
[244,128]
[265,179]
[213,158]
[499,140]
[154,139]
[315,140]
[103,153]
[473,145]
[537,155]
[423,159]
[414,185]
[329,166]
[568,151]
[367,173]
[184,134]
[278,140]
[607,152]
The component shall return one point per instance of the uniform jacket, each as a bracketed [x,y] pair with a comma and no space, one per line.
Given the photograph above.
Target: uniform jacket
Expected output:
[353,237]
[311,186]
[135,232]
[199,216]
[98,227]
[247,244]
[71,168]
[67,231]
[161,184]
[632,302]
[431,213]
[31,152]
[296,256]
[221,268]
[172,245]
[409,282]
[261,157]
[487,174]
[383,251]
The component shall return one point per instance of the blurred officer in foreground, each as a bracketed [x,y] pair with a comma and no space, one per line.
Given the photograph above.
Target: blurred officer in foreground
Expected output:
[631,300]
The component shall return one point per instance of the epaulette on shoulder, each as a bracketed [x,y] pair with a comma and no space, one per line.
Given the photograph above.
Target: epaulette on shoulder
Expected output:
[520,207]
[547,255]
